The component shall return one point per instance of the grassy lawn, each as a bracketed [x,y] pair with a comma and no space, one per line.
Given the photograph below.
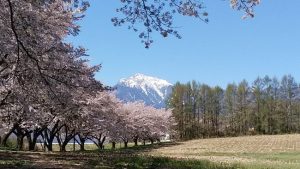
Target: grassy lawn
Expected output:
[254,152]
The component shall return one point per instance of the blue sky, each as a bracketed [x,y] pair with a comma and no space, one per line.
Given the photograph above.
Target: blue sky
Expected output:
[226,49]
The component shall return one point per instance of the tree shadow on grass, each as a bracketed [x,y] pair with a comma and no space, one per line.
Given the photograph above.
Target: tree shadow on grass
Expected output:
[85,160]
[126,152]
[149,147]
[113,160]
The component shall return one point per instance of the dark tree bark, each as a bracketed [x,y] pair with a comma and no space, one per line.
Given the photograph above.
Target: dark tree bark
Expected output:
[20,141]
[68,136]
[58,141]
[50,134]
[82,146]
[113,145]
[82,140]
[74,144]
[6,136]
[63,147]
[100,141]
[33,136]
[126,144]
[20,133]
[151,140]
[135,141]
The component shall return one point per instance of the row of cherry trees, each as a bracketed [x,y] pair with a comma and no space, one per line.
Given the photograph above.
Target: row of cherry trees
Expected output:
[47,88]
[99,118]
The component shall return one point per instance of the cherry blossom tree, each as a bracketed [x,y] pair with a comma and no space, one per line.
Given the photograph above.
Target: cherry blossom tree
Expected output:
[141,122]
[99,116]
[41,109]
[148,16]
[33,53]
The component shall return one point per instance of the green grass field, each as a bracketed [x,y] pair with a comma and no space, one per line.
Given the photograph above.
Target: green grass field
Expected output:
[252,152]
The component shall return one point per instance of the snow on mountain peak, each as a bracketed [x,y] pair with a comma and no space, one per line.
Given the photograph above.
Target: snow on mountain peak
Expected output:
[145,83]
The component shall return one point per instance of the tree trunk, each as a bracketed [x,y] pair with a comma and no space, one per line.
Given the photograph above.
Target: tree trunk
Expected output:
[49,145]
[5,138]
[102,142]
[74,145]
[63,147]
[50,134]
[82,147]
[151,140]
[82,142]
[49,140]
[68,136]
[20,140]
[113,145]
[100,145]
[59,142]
[31,143]
[135,142]
[65,143]
[126,144]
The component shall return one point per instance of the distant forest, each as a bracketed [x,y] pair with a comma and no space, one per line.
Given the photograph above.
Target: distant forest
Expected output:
[266,106]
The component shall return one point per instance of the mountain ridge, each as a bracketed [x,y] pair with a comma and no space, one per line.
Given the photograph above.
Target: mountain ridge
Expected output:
[139,87]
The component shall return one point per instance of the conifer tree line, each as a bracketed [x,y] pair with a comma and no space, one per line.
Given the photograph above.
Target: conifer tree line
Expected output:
[265,106]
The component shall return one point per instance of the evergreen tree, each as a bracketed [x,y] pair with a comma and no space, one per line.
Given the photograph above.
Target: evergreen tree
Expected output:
[266,107]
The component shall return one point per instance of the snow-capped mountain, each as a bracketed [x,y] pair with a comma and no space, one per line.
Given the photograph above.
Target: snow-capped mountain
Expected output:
[153,91]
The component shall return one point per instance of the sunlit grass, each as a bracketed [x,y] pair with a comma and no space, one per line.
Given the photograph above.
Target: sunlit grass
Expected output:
[279,151]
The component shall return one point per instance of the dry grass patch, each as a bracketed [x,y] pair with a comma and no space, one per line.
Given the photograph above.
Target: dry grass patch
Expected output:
[274,151]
